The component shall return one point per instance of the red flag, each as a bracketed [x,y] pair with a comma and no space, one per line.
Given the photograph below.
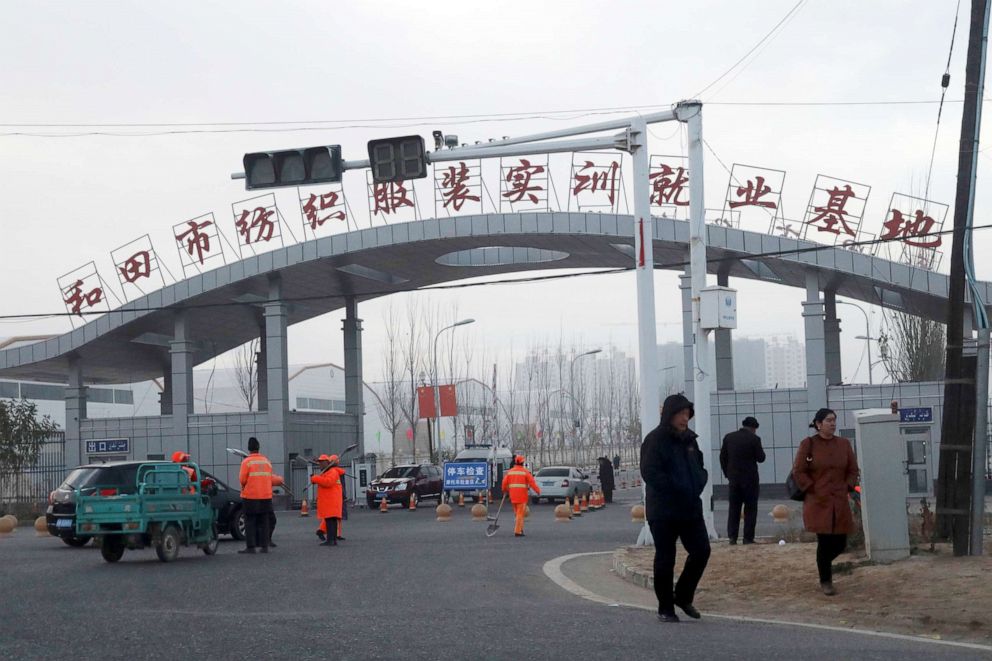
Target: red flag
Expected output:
[449,405]
[425,401]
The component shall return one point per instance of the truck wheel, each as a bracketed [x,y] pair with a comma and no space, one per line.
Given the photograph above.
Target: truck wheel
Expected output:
[112,548]
[238,525]
[76,542]
[210,547]
[167,548]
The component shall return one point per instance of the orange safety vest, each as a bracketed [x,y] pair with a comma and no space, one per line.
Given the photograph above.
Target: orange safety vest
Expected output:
[517,482]
[329,494]
[256,477]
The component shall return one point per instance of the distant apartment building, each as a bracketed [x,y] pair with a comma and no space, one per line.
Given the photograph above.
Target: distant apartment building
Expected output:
[785,362]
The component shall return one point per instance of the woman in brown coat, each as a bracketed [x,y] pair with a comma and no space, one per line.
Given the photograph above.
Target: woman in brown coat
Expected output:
[826,470]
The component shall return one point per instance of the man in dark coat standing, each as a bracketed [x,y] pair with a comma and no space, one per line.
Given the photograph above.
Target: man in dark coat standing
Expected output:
[606,478]
[739,458]
[674,477]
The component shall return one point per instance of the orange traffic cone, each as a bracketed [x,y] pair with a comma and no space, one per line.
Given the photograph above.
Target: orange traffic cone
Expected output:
[384,505]
[461,499]
[585,503]
[413,501]
[305,507]
[576,507]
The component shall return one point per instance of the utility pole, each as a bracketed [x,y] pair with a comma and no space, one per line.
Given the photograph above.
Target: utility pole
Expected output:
[958,421]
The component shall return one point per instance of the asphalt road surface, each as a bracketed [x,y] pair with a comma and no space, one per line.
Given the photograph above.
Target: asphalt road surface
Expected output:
[402,586]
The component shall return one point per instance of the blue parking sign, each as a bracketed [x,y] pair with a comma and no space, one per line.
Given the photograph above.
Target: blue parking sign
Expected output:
[466,476]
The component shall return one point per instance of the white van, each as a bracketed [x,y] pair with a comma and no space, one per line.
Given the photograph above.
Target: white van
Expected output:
[500,460]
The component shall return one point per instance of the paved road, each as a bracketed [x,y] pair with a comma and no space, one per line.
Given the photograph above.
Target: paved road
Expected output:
[401,587]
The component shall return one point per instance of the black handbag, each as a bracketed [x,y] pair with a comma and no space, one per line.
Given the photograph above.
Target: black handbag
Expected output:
[791,486]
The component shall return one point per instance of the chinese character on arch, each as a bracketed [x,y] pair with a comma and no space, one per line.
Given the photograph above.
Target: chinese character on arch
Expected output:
[669,180]
[524,181]
[835,210]
[457,184]
[137,267]
[595,180]
[757,194]
[392,198]
[911,232]
[83,289]
[257,221]
[198,241]
[320,207]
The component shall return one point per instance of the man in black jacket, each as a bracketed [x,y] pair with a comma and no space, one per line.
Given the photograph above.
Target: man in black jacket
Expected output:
[739,458]
[674,477]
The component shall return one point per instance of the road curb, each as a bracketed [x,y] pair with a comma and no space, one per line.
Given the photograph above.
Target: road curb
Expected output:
[638,577]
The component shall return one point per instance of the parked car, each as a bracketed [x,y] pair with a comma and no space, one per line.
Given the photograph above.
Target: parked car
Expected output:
[397,483]
[560,482]
[120,477]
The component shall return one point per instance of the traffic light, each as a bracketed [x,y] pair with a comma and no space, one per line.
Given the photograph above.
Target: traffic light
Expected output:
[293,167]
[397,159]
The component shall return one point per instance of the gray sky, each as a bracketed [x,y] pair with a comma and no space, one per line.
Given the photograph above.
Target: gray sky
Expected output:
[73,199]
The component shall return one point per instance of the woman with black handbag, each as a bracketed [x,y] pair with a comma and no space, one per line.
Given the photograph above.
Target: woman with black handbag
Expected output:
[825,469]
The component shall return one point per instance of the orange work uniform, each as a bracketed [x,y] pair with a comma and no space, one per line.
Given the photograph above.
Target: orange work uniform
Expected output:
[329,497]
[323,521]
[256,477]
[517,482]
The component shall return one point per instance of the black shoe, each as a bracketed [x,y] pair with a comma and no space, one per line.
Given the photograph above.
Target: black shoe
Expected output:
[749,541]
[272,545]
[327,543]
[668,617]
[733,542]
[340,539]
[321,535]
[519,534]
[249,550]
[265,549]
[689,610]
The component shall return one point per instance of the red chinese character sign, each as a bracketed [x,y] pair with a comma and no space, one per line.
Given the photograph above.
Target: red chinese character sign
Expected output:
[911,231]
[668,177]
[198,242]
[83,292]
[835,211]
[323,210]
[258,224]
[596,182]
[137,267]
[757,194]
[391,201]
[524,184]
[458,188]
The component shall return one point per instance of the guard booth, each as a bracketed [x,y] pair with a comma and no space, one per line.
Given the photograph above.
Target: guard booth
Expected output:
[916,432]
[363,472]
[882,453]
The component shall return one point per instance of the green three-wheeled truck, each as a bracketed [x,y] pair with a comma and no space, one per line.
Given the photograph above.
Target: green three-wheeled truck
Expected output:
[166,511]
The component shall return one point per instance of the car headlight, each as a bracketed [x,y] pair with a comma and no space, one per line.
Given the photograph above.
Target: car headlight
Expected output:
[401,486]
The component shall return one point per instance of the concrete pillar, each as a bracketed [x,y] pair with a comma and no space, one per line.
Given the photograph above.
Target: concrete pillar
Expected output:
[816,374]
[261,370]
[181,352]
[831,332]
[165,397]
[353,403]
[724,344]
[685,284]
[277,374]
[75,413]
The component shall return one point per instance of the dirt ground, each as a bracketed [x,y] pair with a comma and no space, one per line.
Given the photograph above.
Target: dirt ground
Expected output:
[929,594]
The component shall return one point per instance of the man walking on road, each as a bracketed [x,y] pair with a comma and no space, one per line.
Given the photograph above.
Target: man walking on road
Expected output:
[518,482]
[674,477]
[256,493]
[739,458]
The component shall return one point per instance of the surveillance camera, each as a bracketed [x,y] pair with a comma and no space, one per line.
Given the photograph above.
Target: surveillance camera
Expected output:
[451,141]
[438,139]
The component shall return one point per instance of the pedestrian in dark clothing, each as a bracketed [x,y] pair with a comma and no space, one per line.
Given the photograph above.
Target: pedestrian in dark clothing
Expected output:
[616,462]
[740,455]
[674,477]
[826,470]
[606,478]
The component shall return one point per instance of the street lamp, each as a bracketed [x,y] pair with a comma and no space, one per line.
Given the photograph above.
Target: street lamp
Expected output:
[571,389]
[437,395]
[866,337]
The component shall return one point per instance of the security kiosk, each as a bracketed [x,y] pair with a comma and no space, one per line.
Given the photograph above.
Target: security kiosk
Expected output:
[884,488]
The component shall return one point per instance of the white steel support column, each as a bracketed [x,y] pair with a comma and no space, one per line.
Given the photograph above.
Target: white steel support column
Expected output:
[353,403]
[647,339]
[724,340]
[75,413]
[685,286]
[816,372]
[691,112]
[181,352]
[277,374]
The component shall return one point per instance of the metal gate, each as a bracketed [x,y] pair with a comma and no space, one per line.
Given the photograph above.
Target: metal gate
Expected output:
[31,485]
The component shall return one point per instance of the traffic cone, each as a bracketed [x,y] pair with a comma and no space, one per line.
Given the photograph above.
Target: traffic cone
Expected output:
[413,501]
[576,507]
[585,503]
[461,499]
[384,505]
[305,507]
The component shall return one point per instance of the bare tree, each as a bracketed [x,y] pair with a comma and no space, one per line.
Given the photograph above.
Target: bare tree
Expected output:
[412,363]
[912,347]
[246,372]
[390,409]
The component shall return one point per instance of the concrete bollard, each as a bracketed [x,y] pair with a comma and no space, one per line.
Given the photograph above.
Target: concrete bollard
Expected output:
[479,512]
[637,513]
[562,514]
[6,526]
[41,527]
[443,512]
[781,513]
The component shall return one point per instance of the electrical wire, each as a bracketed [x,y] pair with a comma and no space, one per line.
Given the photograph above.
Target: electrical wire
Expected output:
[944,83]
[509,281]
